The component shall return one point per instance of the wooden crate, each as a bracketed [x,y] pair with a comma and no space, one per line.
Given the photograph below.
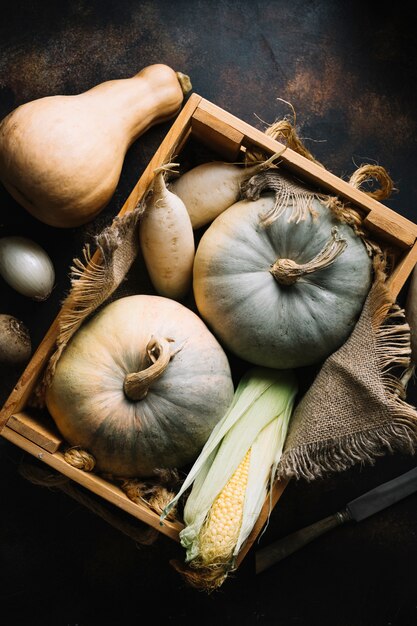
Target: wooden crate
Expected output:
[229,137]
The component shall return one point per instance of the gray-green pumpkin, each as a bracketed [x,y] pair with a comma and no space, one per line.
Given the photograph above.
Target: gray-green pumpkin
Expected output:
[141,386]
[262,306]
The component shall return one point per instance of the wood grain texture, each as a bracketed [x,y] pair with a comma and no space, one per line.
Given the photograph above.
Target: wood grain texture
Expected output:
[42,432]
[94,483]
[399,230]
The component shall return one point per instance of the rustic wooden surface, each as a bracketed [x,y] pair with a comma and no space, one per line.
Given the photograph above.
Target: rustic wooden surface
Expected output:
[349,70]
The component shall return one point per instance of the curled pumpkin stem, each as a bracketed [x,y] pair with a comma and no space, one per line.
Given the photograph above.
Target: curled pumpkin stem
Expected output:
[287,272]
[136,385]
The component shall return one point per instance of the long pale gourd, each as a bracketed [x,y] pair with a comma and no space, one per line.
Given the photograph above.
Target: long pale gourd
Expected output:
[210,188]
[167,239]
[61,156]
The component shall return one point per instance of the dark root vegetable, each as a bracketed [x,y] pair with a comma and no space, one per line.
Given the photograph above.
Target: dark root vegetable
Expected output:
[15,342]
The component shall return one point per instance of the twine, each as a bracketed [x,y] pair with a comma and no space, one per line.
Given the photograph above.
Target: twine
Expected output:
[156,495]
[284,131]
[79,458]
[367,174]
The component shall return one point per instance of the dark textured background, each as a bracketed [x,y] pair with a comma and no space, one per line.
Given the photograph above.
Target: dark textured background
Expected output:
[349,69]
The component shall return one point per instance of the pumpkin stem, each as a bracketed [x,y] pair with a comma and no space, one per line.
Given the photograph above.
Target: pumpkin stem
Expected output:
[136,385]
[287,271]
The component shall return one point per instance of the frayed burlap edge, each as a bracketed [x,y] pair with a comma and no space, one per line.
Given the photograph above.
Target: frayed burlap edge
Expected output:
[393,354]
[93,280]
[314,460]
[295,197]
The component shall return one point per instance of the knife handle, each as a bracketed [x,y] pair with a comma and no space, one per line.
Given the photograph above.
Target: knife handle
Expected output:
[278,550]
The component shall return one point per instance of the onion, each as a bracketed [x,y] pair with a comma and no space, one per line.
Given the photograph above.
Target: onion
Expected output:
[15,343]
[26,267]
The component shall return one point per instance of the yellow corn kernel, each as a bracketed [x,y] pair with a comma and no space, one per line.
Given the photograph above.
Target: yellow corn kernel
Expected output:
[220,531]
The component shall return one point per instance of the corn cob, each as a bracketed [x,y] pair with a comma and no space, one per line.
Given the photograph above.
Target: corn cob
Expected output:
[220,531]
[232,475]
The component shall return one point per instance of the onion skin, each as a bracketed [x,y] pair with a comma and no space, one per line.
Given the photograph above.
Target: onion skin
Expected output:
[26,267]
[15,342]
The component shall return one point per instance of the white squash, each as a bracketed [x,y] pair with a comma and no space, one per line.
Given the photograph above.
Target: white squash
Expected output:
[210,188]
[141,386]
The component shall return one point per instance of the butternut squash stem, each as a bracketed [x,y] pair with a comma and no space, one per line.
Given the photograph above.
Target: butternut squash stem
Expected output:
[185,82]
[287,272]
[136,384]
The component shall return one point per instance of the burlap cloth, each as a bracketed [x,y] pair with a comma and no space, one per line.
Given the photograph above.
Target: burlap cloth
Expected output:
[355,409]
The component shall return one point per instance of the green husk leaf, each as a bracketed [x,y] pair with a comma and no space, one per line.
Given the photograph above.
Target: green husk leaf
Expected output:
[266,452]
[262,403]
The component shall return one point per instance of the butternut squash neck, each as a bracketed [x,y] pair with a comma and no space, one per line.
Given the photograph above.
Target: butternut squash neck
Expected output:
[152,96]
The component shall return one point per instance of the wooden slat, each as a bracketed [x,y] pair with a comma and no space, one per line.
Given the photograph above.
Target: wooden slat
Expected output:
[43,433]
[165,153]
[386,227]
[405,231]
[402,271]
[216,134]
[94,483]
[22,391]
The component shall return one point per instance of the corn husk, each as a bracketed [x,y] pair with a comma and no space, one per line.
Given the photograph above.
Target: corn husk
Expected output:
[257,421]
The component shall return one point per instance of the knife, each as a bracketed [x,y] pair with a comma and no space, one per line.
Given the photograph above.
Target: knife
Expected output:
[356,510]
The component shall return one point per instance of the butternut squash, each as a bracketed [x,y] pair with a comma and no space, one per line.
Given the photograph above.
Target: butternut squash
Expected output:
[61,156]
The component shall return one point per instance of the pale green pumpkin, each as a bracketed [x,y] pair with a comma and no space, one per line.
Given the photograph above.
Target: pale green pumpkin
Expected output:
[141,386]
[239,267]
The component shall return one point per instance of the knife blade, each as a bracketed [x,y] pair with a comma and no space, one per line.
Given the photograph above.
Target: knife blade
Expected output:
[369,503]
